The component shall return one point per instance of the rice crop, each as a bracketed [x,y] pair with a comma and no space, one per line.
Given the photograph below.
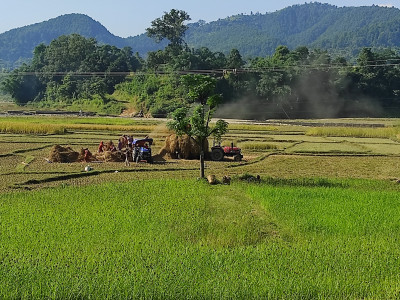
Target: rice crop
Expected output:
[120,128]
[29,128]
[385,132]
[180,239]
[79,120]
[252,127]
[260,146]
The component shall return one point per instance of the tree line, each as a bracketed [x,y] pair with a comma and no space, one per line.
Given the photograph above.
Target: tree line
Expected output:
[298,83]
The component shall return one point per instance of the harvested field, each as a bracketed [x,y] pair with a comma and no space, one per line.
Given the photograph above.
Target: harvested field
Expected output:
[279,151]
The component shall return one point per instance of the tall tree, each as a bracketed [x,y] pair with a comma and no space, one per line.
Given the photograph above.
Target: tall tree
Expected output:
[170,26]
[197,123]
[234,60]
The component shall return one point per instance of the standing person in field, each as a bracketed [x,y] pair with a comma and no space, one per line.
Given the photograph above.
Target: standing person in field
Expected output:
[87,155]
[119,145]
[127,157]
[101,147]
[112,147]
[130,141]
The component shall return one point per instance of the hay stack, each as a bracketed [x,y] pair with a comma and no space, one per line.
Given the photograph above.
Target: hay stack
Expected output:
[212,179]
[114,156]
[109,146]
[181,147]
[63,154]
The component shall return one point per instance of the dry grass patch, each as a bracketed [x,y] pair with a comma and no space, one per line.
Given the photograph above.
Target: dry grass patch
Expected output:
[386,132]
[300,166]
[29,128]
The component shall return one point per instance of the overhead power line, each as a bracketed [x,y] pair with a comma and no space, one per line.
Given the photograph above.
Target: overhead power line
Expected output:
[381,64]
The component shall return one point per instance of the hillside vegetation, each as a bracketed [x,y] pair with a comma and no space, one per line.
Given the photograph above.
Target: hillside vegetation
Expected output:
[77,73]
[337,29]
[316,25]
[299,83]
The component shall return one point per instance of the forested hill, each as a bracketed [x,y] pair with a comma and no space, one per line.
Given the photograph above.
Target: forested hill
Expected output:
[18,44]
[315,25]
[338,29]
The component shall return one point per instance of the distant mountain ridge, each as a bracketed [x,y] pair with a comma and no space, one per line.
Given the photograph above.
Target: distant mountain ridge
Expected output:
[315,25]
[18,44]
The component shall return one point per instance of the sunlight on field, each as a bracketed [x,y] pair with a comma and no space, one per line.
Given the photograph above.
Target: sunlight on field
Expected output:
[177,239]
[325,207]
[386,132]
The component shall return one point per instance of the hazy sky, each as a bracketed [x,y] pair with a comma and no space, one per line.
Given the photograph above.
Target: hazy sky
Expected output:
[132,17]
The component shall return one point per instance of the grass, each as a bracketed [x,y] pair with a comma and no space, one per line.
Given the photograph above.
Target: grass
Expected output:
[337,148]
[346,238]
[105,243]
[252,127]
[261,146]
[316,227]
[386,132]
[185,239]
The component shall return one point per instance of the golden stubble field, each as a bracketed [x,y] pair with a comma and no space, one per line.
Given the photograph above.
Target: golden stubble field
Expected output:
[278,150]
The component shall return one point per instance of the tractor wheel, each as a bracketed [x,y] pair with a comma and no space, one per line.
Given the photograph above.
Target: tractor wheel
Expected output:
[237,158]
[217,154]
[150,160]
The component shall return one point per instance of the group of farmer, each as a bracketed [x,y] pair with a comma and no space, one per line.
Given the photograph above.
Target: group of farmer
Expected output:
[125,144]
[125,141]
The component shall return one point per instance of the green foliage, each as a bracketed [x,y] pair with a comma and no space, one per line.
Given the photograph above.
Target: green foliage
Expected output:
[341,30]
[298,83]
[199,87]
[256,241]
[337,29]
[19,44]
[157,94]
[169,26]
[304,83]
[196,123]
[22,88]
[55,74]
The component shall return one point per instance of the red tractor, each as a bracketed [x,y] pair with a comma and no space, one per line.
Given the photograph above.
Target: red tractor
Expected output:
[219,152]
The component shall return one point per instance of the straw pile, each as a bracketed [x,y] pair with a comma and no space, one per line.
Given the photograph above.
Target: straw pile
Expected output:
[109,146]
[113,156]
[212,179]
[63,154]
[181,147]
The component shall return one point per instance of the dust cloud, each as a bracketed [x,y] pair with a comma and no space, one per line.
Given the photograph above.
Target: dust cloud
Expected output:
[311,96]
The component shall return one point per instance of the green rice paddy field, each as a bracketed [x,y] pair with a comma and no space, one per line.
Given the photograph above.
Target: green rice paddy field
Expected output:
[323,223]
